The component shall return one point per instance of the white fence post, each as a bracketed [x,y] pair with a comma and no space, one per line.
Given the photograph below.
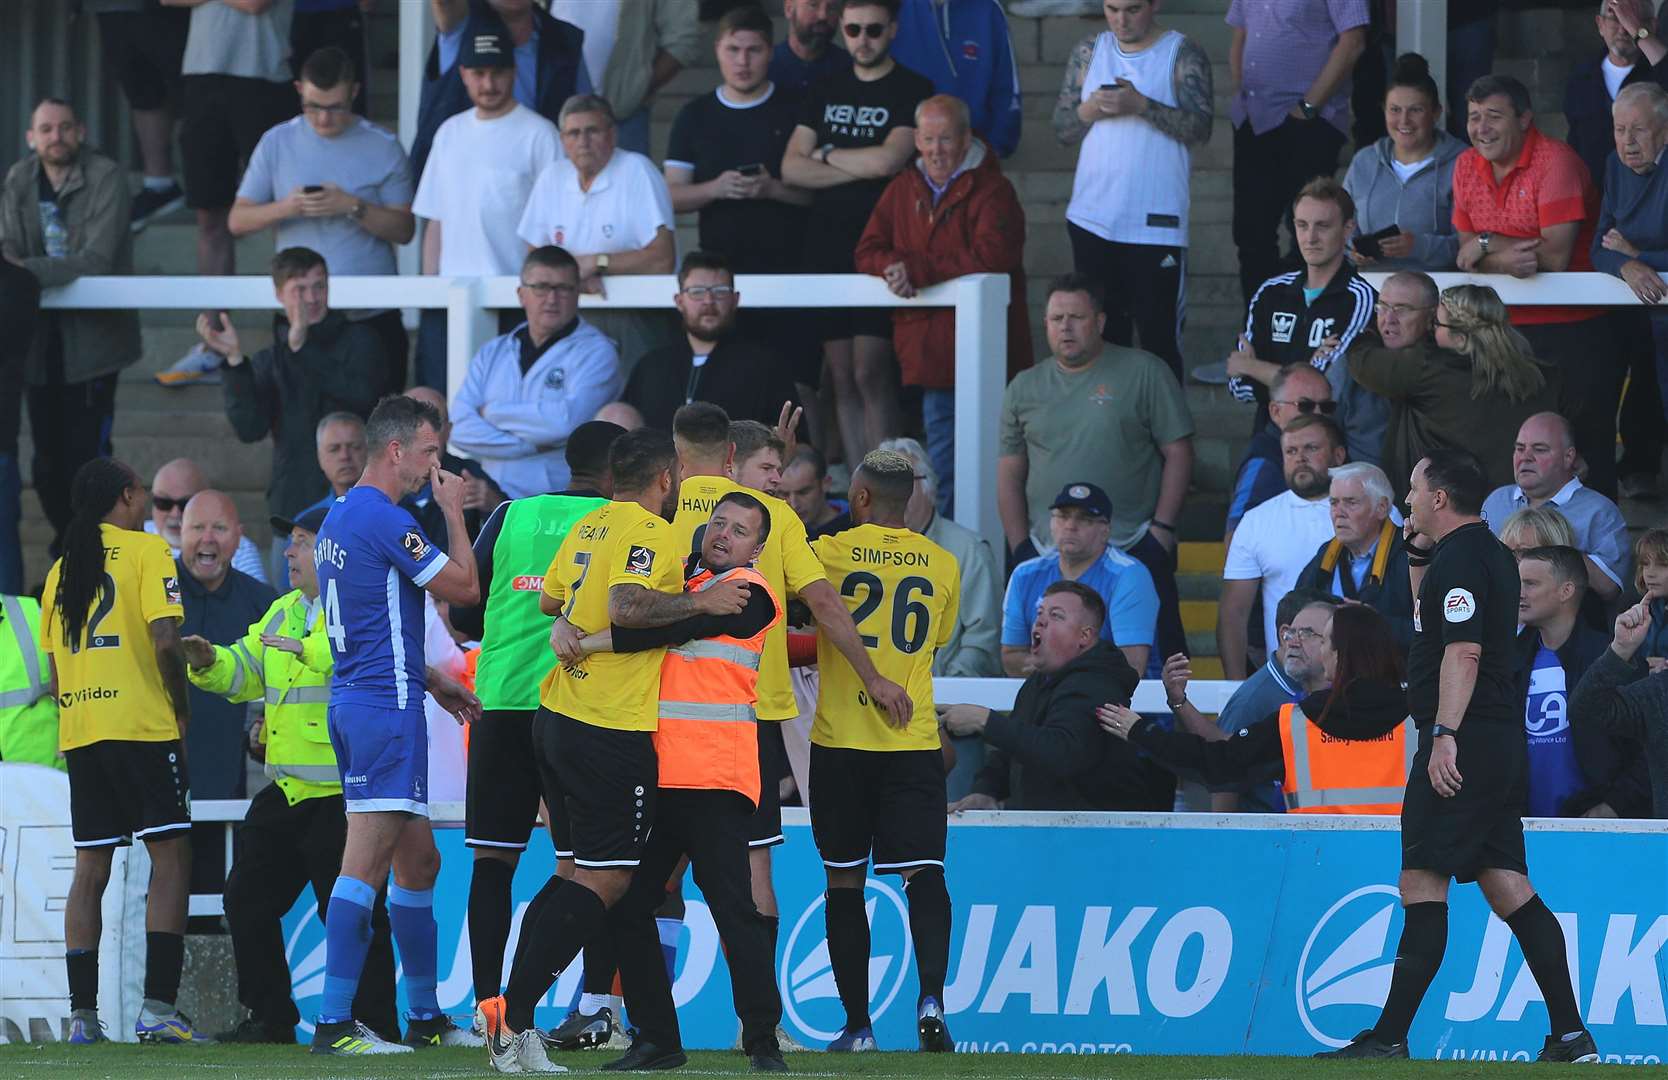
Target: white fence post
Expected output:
[1422,27]
[981,374]
[468,327]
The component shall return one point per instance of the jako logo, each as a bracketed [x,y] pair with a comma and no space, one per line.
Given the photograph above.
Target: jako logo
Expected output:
[806,977]
[1343,973]
[304,951]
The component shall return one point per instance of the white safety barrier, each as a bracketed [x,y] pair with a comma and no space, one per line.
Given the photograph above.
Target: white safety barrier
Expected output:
[980,302]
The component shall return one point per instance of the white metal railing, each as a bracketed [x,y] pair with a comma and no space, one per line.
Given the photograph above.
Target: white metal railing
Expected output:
[980,302]
[1586,288]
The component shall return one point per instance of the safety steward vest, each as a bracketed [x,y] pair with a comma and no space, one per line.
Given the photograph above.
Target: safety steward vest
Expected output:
[708,738]
[28,712]
[1328,775]
[299,757]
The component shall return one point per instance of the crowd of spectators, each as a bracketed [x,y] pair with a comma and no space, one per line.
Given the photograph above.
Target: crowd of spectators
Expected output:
[871,139]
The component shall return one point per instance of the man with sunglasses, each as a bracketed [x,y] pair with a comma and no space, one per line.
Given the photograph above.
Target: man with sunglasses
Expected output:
[1298,390]
[171,489]
[712,362]
[527,390]
[857,131]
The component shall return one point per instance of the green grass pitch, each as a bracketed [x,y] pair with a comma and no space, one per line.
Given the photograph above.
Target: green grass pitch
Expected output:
[131,1062]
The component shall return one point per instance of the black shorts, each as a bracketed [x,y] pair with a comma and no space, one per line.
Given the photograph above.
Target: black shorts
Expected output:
[1481,828]
[143,51]
[223,117]
[767,816]
[838,324]
[888,803]
[121,789]
[502,797]
[599,784]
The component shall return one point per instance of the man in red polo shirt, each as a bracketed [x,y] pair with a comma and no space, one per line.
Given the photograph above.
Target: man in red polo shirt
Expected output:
[1524,203]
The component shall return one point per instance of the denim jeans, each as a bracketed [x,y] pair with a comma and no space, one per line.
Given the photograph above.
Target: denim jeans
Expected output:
[938,416]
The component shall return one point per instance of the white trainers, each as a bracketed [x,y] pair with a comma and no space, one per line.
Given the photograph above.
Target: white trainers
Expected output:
[787,1043]
[199,367]
[525,1054]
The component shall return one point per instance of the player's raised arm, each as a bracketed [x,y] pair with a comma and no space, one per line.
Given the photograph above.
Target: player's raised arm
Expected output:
[458,582]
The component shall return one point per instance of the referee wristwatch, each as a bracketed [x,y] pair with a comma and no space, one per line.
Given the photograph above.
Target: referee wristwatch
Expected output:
[1439,730]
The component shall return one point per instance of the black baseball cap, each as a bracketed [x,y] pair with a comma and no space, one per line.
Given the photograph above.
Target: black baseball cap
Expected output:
[1086,497]
[487,49]
[309,519]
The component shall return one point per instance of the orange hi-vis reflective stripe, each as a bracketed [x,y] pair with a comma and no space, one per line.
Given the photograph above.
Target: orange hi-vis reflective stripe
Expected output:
[708,737]
[1329,775]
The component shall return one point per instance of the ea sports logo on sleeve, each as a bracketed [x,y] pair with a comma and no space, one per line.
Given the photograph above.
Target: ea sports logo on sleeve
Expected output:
[1343,973]
[806,976]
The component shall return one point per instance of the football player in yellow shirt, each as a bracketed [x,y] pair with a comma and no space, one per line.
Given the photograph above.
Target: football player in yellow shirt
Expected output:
[593,733]
[877,786]
[110,621]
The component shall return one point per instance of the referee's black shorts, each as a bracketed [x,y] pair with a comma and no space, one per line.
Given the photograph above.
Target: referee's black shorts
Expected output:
[502,797]
[1481,828]
[886,803]
[120,789]
[766,829]
[599,785]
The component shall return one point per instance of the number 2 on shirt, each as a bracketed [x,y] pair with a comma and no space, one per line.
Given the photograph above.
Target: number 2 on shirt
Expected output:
[904,638]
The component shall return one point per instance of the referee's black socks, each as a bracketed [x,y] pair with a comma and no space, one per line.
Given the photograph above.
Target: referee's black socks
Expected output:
[848,953]
[489,923]
[1541,938]
[929,927]
[1418,955]
[567,924]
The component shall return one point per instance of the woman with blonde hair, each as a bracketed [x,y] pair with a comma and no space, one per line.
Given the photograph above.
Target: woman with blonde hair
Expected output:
[1536,526]
[1467,382]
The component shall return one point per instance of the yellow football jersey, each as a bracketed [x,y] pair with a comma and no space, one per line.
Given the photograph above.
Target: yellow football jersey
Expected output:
[109,686]
[787,562]
[617,544]
[904,594]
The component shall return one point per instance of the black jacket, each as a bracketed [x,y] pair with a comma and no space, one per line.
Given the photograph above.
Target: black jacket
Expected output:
[215,743]
[1284,328]
[1613,762]
[1616,696]
[743,378]
[1367,710]
[1050,753]
[1390,596]
[285,394]
[442,95]
[1587,108]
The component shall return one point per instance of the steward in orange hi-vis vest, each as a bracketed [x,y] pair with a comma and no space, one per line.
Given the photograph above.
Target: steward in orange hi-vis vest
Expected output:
[1326,774]
[708,738]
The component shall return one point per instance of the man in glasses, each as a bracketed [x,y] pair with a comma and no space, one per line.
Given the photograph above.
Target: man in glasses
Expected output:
[857,131]
[527,390]
[334,182]
[172,487]
[711,362]
[1298,390]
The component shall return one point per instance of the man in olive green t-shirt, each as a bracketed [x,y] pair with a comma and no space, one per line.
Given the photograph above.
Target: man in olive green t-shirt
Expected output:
[1099,414]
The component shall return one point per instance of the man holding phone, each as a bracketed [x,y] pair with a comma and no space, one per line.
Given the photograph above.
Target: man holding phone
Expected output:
[723,161]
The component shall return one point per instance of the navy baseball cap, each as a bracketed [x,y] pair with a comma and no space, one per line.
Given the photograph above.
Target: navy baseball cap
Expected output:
[309,519]
[1086,497]
[487,49]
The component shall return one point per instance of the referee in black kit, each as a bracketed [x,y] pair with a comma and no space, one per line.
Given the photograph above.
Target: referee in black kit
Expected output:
[1462,815]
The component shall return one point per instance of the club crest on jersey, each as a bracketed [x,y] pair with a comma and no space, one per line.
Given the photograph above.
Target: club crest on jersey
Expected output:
[1283,324]
[414,544]
[555,379]
[639,561]
[1458,605]
[171,589]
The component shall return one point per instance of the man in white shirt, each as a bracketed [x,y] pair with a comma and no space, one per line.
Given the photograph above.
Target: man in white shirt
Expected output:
[1275,539]
[479,173]
[1543,461]
[611,209]
[527,390]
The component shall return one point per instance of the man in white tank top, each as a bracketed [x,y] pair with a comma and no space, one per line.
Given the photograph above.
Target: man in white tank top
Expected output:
[1138,98]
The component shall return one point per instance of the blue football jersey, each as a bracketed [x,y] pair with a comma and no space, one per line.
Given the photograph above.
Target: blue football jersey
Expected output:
[373,561]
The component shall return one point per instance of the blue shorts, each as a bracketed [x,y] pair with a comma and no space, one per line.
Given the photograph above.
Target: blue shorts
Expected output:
[383,755]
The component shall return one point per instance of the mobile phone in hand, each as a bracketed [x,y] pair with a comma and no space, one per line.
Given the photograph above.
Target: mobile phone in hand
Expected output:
[754,169]
[312,189]
[1371,244]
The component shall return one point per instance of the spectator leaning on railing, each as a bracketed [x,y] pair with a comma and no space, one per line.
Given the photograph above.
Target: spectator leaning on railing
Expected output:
[1047,752]
[1403,184]
[1468,386]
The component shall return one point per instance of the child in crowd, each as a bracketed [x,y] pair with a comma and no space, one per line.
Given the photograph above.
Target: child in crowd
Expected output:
[1650,556]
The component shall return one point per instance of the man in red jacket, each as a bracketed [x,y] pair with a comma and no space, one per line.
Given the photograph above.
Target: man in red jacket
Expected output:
[953,213]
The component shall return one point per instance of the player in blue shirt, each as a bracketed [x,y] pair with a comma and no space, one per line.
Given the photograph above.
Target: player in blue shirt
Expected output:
[374,563]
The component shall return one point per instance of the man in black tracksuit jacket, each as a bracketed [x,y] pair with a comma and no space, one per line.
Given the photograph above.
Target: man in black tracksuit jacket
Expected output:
[1049,752]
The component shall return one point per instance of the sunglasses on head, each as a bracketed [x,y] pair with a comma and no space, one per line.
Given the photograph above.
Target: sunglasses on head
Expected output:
[168,504]
[1309,405]
[873,30]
